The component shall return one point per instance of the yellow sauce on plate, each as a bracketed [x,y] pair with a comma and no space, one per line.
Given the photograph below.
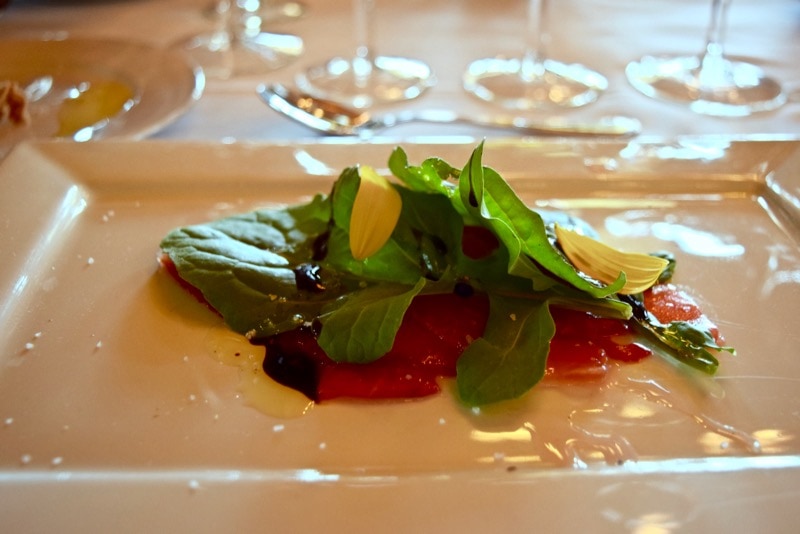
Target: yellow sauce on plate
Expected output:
[94,103]
[258,389]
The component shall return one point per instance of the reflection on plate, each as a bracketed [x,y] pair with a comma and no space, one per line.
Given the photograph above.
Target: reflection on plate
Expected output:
[109,396]
[122,89]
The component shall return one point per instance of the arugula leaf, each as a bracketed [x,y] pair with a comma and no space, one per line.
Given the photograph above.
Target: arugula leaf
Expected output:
[690,344]
[610,307]
[666,274]
[684,342]
[361,327]
[522,230]
[433,215]
[429,177]
[244,265]
[511,356]
[426,238]
[343,196]
[395,262]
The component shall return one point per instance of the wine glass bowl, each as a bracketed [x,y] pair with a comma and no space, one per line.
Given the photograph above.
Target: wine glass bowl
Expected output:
[730,88]
[239,45]
[513,85]
[363,82]
[533,81]
[365,78]
[708,83]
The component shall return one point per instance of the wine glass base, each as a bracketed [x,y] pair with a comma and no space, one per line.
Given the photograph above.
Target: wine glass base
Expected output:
[387,79]
[274,12]
[282,11]
[221,56]
[503,81]
[722,88]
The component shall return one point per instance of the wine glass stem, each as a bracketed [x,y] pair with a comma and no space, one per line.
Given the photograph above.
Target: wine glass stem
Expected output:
[363,60]
[712,66]
[222,10]
[532,66]
[716,28]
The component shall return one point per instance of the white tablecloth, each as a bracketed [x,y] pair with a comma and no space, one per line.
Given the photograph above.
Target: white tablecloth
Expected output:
[448,34]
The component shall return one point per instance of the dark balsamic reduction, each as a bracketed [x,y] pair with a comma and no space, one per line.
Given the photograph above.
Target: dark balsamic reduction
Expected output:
[307,277]
[288,360]
[290,365]
[463,289]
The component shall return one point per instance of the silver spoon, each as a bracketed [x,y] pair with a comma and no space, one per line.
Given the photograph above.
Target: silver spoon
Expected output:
[335,119]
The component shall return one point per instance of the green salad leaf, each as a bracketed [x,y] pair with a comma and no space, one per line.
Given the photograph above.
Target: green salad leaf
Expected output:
[684,341]
[245,265]
[511,357]
[249,268]
[531,255]
[361,327]
[429,177]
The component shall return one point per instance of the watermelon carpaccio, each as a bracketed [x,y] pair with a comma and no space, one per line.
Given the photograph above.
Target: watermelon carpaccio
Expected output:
[435,331]
[437,328]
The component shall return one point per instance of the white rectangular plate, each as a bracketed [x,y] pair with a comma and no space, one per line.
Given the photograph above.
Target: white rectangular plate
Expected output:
[111,406]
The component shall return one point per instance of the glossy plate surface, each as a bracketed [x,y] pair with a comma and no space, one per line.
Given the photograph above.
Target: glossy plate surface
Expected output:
[110,400]
[163,83]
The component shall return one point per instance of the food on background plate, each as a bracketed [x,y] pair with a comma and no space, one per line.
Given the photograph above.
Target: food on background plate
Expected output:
[13,104]
[84,105]
[380,288]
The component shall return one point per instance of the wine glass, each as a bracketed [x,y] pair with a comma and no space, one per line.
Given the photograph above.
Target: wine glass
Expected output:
[365,78]
[533,81]
[238,45]
[709,83]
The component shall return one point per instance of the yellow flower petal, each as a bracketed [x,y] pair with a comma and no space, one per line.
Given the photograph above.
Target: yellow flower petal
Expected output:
[605,263]
[375,212]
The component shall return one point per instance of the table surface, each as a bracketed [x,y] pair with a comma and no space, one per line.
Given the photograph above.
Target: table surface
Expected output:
[448,34]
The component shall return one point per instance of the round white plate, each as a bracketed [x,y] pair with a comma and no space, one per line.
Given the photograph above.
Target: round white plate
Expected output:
[164,82]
